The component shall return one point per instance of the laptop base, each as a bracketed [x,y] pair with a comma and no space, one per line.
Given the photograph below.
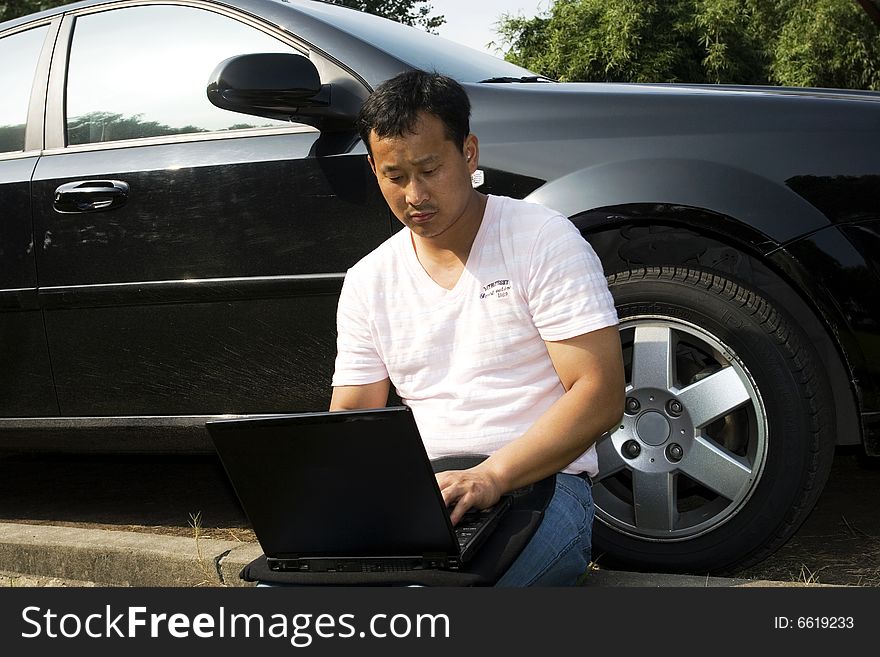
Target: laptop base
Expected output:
[363,565]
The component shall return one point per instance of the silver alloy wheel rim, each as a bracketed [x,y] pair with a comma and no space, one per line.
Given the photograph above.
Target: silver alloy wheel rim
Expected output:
[672,472]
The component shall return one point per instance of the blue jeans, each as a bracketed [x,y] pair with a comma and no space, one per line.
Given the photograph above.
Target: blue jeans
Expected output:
[559,552]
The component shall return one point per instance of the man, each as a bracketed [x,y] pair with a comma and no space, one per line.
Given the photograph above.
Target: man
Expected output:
[492,319]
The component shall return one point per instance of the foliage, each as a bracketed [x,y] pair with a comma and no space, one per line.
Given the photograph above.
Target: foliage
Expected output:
[829,43]
[11,138]
[108,126]
[402,11]
[10,9]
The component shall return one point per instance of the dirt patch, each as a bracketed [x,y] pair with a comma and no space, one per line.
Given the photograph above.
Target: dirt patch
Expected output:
[840,541]
[851,560]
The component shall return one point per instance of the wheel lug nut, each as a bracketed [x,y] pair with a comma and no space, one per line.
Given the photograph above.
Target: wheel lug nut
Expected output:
[632,405]
[674,452]
[674,407]
[631,449]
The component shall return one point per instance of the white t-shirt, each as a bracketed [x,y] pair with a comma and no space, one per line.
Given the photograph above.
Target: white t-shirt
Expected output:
[471,362]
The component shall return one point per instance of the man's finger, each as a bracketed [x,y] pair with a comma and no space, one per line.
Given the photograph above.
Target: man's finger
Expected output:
[448,496]
[461,507]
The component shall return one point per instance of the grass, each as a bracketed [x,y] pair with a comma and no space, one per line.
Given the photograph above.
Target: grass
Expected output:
[195,521]
[808,576]
[590,568]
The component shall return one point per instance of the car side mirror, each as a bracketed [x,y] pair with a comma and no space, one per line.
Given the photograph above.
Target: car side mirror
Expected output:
[273,85]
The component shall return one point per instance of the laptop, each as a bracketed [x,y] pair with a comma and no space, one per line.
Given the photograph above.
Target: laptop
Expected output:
[348,491]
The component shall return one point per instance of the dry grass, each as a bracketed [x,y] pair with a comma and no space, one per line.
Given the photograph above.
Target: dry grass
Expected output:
[207,568]
[808,576]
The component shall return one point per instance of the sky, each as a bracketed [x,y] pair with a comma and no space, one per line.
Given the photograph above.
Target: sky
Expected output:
[471,22]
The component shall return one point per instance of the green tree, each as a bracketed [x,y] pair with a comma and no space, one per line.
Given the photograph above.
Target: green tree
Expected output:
[620,40]
[732,36]
[789,42]
[827,43]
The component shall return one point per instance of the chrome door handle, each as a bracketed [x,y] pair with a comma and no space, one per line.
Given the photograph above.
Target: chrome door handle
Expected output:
[90,196]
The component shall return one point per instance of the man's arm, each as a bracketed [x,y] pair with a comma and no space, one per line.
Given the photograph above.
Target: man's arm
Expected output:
[590,367]
[352,398]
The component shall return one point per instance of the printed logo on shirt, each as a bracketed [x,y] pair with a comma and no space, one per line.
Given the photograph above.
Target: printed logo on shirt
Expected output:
[498,289]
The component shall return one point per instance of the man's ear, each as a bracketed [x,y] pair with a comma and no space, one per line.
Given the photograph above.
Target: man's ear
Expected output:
[372,164]
[472,152]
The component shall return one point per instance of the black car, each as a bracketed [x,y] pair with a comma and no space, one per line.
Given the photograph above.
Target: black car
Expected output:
[164,261]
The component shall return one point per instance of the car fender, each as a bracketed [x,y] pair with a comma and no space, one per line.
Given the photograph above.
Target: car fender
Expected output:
[760,203]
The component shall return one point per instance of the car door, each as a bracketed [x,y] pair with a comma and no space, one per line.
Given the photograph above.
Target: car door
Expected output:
[26,388]
[189,257]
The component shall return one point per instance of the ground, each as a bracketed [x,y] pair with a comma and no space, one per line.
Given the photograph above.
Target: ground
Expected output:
[838,544]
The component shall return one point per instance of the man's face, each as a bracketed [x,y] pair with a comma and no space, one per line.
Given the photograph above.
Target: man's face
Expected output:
[425,177]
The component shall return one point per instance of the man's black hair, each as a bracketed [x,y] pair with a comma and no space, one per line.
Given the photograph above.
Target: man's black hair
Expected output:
[393,108]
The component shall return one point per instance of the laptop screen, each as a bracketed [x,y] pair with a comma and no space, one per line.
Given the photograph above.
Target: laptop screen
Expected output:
[341,484]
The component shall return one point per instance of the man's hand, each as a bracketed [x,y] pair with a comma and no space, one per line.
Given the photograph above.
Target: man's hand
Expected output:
[473,488]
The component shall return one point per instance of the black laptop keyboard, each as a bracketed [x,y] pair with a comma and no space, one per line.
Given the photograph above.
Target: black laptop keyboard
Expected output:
[476,525]
[468,527]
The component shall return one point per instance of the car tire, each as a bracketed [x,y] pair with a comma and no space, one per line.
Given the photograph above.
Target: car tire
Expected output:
[726,440]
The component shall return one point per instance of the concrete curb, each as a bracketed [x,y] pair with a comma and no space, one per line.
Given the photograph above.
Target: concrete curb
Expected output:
[119,558]
[41,555]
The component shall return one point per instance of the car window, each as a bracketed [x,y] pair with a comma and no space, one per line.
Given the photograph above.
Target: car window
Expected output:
[142,71]
[23,48]
[417,48]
